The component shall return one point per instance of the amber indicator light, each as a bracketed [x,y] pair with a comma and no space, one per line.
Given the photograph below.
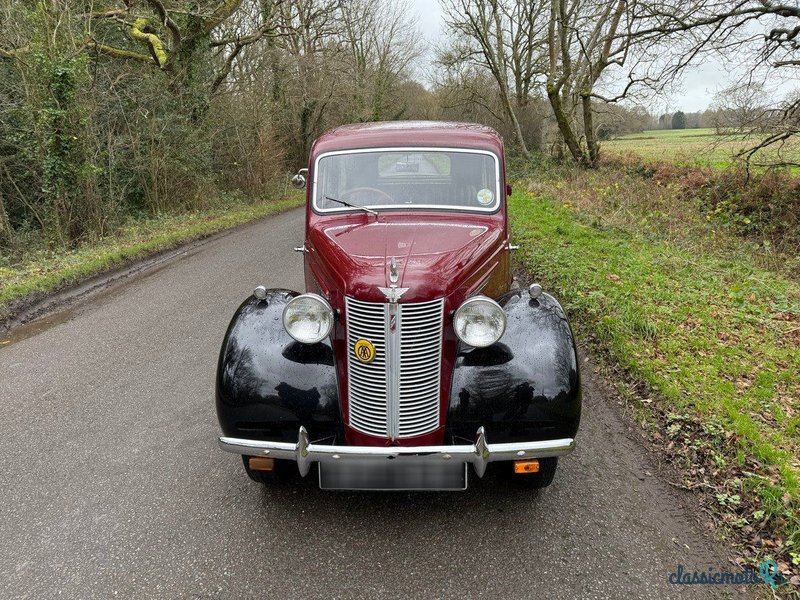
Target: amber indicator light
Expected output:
[526,466]
[261,463]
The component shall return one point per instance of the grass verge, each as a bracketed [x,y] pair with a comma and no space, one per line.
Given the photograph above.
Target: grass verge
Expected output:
[710,344]
[45,272]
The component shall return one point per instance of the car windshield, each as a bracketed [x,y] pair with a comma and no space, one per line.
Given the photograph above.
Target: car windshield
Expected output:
[407,178]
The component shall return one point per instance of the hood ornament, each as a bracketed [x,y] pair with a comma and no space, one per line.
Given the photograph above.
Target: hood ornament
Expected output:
[393,292]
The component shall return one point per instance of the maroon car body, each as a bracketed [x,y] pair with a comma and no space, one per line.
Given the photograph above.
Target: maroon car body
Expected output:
[411,225]
[438,254]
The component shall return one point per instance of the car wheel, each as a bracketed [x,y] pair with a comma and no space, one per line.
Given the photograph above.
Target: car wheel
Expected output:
[283,471]
[535,481]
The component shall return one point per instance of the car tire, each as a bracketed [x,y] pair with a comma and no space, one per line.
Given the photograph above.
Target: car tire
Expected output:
[284,471]
[535,481]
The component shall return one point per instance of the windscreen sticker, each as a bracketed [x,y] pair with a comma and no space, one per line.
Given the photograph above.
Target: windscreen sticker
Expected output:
[485,197]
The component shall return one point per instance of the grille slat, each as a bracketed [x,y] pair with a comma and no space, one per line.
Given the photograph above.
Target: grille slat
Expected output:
[416,419]
[369,401]
[367,380]
[412,407]
[417,369]
[415,409]
[413,398]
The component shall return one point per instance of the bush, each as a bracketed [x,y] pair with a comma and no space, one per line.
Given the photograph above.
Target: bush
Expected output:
[763,207]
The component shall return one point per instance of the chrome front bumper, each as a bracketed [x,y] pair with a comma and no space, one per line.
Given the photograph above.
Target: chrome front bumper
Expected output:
[478,454]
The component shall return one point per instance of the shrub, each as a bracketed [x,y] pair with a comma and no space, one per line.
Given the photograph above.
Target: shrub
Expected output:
[764,207]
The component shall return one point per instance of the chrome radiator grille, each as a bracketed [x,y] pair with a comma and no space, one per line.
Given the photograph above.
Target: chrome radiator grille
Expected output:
[397,394]
[368,398]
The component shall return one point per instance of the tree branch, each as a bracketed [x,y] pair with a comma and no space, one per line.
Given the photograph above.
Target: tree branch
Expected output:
[120,53]
[13,53]
[239,44]
[226,69]
[169,24]
[223,11]
[247,39]
[142,32]
[109,14]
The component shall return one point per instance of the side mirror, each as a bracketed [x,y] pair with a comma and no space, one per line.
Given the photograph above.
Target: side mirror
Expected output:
[509,189]
[299,180]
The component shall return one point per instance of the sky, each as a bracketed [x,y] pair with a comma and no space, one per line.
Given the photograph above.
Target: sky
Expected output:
[695,90]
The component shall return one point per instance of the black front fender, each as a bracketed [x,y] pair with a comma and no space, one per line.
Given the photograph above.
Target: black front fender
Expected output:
[268,385]
[525,387]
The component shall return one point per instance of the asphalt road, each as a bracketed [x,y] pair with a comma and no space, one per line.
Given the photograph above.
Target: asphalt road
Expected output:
[113,485]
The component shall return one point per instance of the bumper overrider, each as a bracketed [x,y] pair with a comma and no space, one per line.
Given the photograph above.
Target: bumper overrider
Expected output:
[479,454]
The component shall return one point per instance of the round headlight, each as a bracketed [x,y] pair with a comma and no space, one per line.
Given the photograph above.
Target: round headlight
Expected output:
[308,318]
[479,322]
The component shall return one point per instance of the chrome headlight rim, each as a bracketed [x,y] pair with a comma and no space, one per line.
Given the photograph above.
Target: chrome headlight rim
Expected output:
[473,300]
[325,306]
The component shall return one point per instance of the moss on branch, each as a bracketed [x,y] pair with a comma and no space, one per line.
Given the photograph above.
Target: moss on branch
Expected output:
[120,53]
[141,32]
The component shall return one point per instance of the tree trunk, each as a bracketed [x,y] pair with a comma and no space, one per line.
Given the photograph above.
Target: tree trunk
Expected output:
[513,116]
[588,128]
[564,127]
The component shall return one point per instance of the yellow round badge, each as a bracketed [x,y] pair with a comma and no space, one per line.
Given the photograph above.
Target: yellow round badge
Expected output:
[364,351]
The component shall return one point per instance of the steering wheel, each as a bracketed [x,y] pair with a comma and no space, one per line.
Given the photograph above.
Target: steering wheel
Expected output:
[357,190]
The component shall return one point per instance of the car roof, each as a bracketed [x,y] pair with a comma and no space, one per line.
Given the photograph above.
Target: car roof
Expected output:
[409,133]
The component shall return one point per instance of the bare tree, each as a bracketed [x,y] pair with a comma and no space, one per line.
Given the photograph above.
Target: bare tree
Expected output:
[762,37]
[334,61]
[468,92]
[741,109]
[381,39]
[578,52]
[503,37]
[584,39]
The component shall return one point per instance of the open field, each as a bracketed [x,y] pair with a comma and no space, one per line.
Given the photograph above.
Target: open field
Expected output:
[702,147]
[710,345]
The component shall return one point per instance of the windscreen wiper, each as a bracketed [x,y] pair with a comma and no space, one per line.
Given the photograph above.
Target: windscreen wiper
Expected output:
[364,208]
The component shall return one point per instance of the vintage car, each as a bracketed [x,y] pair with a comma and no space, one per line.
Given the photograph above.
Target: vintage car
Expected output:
[412,352]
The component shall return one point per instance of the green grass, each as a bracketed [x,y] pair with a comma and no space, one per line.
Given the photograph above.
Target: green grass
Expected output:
[46,271]
[700,147]
[714,340]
